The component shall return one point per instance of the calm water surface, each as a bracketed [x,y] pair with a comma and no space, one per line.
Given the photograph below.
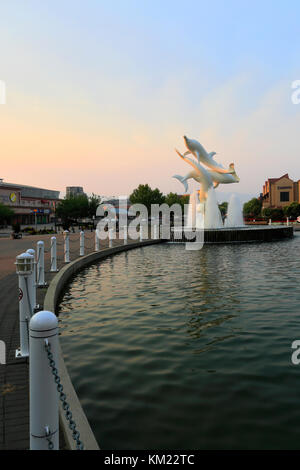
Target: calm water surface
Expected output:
[176,349]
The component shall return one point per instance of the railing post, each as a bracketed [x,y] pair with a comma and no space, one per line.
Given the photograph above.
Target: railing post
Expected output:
[81,250]
[43,389]
[125,234]
[110,237]
[24,268]
[67,246]
[40,264]
[53,255]
[32,282]
[97,244]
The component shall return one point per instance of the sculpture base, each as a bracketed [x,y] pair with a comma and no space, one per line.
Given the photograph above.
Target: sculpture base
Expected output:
[235,235]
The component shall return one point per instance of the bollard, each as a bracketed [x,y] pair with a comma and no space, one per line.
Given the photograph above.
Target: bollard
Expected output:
[40,264]
[81,250]
[67,246]
[125,234]
[53,268]
[97,244]
[32,283]
[287,221]
[141,233]
[155,232]
[44,428]
[110,244]
[270,221]
[24,268]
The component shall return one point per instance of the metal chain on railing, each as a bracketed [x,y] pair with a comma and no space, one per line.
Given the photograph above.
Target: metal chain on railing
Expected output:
[49,438]
[30,307]
[73,252]
[89,246]
[57,242]
[63,398]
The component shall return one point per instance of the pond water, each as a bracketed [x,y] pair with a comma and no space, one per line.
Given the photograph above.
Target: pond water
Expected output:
[176,349]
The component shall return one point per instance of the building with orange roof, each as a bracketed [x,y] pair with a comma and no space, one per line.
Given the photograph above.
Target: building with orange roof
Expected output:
[280,192]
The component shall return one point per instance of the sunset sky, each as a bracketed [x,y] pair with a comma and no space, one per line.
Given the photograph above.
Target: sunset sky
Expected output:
[99,93]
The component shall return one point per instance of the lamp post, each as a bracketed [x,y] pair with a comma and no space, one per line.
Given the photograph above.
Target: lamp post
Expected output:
[24,269]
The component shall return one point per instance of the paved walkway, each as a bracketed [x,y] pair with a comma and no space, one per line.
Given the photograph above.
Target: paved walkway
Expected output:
[14,387]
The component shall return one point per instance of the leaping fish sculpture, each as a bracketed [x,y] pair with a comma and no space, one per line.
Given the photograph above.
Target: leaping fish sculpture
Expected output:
[194,147]
[207,178]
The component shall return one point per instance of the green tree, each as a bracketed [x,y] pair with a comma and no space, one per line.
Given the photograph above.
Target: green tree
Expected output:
[143,194]
[292,210]
[94,202]
[223,208]
[72,208]
[252,208]
[274,213]
[5,214]
[174,198]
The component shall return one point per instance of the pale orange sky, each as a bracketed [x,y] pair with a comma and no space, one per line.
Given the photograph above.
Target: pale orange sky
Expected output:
[101,101]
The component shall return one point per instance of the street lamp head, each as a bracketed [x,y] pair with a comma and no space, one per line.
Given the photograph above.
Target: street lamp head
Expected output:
[24,264]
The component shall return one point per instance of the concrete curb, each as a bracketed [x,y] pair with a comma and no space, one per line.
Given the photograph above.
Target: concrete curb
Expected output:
[50,303]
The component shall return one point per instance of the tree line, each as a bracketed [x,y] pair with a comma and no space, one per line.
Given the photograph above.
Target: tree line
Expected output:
[72,208]
[143,194]
[253,209]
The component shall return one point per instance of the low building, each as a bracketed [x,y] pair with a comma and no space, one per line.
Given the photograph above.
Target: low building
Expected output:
[74,191]
[31,205]
[280,192]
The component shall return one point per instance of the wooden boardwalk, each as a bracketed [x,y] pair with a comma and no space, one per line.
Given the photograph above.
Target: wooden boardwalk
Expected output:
[14,386]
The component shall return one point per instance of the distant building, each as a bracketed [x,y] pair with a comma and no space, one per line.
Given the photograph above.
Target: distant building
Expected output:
[74,190]
[280,192]
[31,205]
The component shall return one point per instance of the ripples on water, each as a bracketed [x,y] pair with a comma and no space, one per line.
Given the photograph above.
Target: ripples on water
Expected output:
[176,349]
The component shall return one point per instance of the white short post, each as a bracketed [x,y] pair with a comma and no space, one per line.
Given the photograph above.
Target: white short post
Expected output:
[287,221]
[125,234]
[141,233]
[270,221]
[40,264]
[53,255]
[67,246]
[155,232]
[43,331]
[24,268]
[81,250]
[32,282]
[97,244]
[110,236]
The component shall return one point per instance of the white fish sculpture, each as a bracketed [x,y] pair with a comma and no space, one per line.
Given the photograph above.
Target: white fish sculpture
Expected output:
[207,178]
[194,147]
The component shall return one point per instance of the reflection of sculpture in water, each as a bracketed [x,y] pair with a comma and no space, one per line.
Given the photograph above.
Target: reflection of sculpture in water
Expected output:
[212,303]
[203,208]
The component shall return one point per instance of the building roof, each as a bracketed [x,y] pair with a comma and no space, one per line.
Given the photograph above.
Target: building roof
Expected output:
[273,180]
[32,191]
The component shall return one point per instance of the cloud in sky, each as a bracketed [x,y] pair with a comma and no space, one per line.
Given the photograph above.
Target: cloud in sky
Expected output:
[102,102]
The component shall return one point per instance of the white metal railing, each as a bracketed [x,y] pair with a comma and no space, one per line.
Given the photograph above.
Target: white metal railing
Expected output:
[39,341]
